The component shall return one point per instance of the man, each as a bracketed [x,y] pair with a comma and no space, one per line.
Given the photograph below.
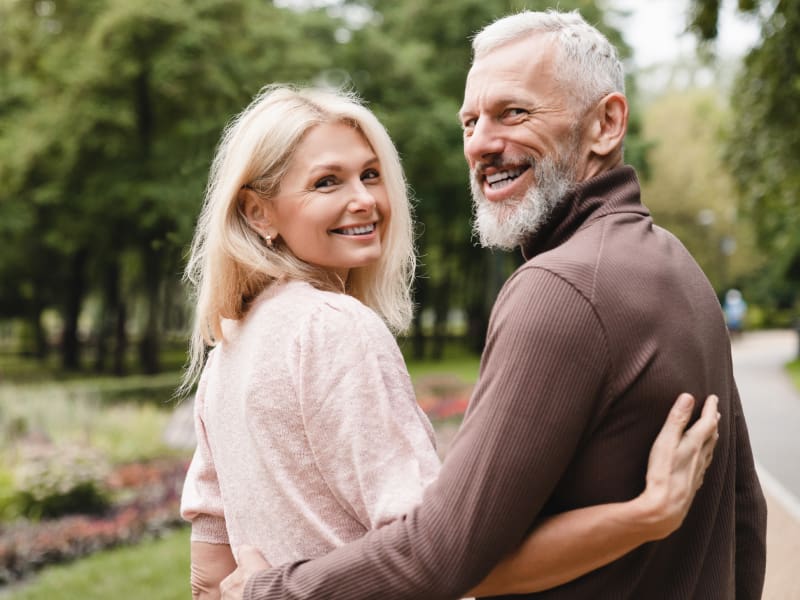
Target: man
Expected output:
[588,342]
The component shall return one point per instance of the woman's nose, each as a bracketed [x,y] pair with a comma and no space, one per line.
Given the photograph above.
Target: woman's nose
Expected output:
[362,198]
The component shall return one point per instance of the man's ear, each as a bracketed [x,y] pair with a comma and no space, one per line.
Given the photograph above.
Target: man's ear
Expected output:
[256,212]
[609,124]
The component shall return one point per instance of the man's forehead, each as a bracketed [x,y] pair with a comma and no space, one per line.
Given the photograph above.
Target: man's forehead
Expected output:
[499,87]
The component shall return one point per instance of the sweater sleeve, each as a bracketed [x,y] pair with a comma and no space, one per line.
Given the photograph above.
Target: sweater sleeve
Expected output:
[751,516]
[201,500]
[371,442]
[544,367]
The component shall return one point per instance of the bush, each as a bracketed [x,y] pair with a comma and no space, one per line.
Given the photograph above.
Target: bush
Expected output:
[9,498]
[50,482]
[146,504]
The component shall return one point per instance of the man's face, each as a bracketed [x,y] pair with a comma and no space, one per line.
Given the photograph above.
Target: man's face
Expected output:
[522,141]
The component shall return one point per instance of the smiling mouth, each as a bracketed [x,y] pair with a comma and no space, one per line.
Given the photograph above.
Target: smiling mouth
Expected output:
[501,179]
[356,230]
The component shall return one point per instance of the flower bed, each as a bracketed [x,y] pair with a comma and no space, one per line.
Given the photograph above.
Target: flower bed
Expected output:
[147,500]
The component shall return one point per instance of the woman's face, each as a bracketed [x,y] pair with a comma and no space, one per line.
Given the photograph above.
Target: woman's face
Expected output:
[332,209]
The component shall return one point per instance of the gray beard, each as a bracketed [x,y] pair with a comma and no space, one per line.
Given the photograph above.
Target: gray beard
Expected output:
[507,224]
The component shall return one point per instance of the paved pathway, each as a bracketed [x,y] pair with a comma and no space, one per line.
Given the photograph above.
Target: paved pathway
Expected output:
[771,402]
[772,408]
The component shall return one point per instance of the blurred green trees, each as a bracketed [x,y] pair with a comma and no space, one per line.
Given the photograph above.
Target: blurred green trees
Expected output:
[109,114]
[763,146]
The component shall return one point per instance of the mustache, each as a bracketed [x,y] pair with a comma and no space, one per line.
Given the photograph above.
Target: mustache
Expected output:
[502,163]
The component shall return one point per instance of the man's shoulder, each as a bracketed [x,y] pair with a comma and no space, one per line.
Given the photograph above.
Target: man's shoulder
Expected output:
[575,264]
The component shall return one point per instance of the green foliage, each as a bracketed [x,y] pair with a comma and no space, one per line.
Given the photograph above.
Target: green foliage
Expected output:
[9,498]
[54,481]
[155,569]
[794,372]
[691,192]
[763,148]
[107,128]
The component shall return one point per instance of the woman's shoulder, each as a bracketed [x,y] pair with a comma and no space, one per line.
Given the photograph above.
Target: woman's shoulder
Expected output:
[299,303]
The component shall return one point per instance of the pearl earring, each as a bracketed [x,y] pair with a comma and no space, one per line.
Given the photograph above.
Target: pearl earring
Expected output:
[268,240]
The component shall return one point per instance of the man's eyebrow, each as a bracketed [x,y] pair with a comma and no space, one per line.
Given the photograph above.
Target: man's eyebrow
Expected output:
[494,103]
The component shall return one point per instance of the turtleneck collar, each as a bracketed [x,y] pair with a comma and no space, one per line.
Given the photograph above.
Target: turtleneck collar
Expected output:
[613,191]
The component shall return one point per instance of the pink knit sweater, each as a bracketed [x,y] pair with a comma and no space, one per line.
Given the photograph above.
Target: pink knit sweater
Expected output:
[308,433]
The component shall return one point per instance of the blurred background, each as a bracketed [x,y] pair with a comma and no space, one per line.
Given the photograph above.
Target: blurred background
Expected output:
[110,111]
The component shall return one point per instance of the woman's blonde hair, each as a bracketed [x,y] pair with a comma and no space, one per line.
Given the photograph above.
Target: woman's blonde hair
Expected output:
[229,263]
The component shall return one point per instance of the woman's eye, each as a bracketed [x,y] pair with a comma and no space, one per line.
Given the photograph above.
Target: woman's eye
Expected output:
[325,182]
[370,174]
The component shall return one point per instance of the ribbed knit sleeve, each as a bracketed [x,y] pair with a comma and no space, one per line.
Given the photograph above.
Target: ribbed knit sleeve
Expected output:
[527,417]
[201,501]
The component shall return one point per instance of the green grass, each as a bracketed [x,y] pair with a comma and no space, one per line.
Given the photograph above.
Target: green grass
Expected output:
[457,361]
[156,569]
[794,372]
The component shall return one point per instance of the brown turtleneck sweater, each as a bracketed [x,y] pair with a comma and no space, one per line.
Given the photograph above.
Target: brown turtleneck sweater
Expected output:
[589,343]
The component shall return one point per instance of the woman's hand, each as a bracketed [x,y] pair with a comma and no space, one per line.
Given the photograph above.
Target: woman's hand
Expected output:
[249,562]
[211,563]
[677,465]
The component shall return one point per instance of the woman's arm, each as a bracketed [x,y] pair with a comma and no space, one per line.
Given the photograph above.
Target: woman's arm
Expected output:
[211,563]
[568,545]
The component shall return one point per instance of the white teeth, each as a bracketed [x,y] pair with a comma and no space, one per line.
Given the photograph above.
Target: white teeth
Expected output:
[359,230]
[500,176]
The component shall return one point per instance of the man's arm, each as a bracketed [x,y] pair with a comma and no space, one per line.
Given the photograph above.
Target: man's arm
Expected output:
[542,373]
[751,515]
[571,544]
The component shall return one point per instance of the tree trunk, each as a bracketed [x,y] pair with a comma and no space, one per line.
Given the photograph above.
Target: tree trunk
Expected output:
[120,339]
[441,312]
[441,300]
[40,347]
[109,329]
[418,335]
[76,288]
[149,346]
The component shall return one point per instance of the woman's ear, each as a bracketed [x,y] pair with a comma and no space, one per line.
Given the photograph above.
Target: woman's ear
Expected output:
[610,124]
[255,211]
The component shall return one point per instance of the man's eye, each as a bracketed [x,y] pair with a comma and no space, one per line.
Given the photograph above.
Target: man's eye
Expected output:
[468,123]
[370,174]
[325,182]
[515,112]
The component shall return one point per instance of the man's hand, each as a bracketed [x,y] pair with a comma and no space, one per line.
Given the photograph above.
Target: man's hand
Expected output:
[678,462]
[249,562]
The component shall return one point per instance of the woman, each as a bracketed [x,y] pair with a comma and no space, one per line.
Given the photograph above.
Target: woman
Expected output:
[308,430]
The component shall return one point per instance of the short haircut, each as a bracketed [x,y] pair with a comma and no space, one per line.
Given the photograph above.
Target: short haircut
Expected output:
[586,61]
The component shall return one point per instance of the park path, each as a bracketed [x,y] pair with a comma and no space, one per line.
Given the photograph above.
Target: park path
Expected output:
[771,406]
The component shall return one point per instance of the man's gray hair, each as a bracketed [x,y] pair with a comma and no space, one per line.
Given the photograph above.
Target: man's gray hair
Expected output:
[586,62]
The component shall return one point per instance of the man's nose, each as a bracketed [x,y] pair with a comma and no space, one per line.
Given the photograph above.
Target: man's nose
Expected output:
[484,140]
